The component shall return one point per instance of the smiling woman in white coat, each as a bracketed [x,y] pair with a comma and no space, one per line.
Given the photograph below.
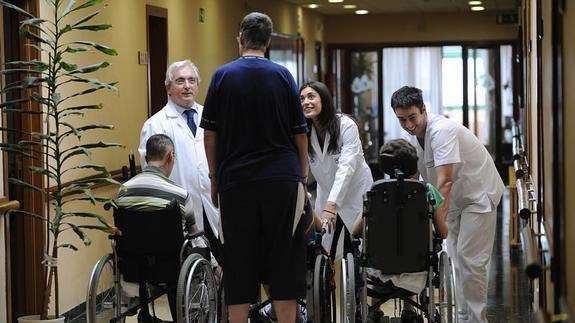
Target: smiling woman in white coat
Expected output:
[336,161]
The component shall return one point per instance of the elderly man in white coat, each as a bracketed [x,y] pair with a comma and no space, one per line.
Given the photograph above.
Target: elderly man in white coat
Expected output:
[178,120]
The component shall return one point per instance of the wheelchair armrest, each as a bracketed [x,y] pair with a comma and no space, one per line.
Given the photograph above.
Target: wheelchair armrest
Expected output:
[194,235]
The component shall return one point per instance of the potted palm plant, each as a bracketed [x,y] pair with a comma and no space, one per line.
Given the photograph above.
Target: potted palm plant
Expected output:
[53,83]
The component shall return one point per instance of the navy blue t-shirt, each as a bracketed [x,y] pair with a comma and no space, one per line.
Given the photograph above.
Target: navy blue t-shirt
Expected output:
[253,106]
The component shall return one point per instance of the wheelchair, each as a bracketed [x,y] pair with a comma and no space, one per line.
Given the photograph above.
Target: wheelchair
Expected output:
[397,239]
[319,303]
[151,250]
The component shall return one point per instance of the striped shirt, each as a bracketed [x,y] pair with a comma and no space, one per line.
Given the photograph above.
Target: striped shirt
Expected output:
[152,191]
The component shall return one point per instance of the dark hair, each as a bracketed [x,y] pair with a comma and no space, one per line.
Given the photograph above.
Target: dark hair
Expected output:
[404,154]
[256,29]
[327,118]
[406,97]
[157,147]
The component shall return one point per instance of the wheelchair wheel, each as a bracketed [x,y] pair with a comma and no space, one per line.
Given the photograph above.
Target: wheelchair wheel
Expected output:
[103,302]
[347,305]
[446,299]
[196,296]
[323,290]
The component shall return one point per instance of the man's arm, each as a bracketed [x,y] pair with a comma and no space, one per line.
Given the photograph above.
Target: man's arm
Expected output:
[301,144]
[444,184]
[210,147]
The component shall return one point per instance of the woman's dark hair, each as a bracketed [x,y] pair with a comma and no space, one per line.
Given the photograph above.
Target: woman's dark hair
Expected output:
[327,118]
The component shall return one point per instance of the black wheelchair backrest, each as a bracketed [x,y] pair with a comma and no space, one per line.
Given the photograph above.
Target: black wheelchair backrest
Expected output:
[149,243]
[398,226]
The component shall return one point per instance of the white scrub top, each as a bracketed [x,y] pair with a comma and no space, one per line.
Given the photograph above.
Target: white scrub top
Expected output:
[477,186]
[191,167]
[343,177]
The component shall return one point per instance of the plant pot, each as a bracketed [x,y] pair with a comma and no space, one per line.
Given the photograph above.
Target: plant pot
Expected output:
[36,319]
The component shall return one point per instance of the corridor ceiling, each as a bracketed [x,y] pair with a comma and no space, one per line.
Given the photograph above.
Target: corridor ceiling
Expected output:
[406,6]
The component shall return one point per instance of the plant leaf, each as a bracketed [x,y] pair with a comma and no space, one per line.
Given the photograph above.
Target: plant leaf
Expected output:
[30,35]
[85,19]
[83,107]
[67,245]
[18,70]
[87,4]
[16,181]
[14,102]
[43,171]
[94,27]
[75,49]
[68,8]
[90,90]
[99,168]
[109,86]
[80,234]
[96,216]
[33,22]
[68,67]
[20,10]
[26,213]
[80,151]
[78,131]
[104,49]
[90,68]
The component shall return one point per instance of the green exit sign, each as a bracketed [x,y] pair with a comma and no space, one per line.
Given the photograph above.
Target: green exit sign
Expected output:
[507,19]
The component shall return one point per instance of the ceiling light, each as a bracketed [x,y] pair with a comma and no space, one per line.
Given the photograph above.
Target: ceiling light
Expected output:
[361,12]
[349,6]
[312,6]
[335,1]
[475,3]
[477,8]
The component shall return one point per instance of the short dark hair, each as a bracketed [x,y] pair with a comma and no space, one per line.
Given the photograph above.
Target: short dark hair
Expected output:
[256,29]
[403,153]
[157,147]
[399,148]
[327,117]
[406,97]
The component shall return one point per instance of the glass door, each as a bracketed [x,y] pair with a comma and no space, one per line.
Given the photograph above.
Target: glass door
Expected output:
[365,97]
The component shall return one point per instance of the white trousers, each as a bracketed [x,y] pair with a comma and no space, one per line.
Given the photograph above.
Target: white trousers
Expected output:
[469,244]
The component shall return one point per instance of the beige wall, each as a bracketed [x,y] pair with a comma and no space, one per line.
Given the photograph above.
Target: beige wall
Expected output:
[207,44]
[415,28]
[569,135]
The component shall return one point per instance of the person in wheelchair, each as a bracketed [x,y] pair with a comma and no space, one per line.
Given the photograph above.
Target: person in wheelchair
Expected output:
[152,190]
[402,150]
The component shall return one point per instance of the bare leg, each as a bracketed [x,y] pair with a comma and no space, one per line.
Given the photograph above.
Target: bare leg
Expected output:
[238,313]
[285,311]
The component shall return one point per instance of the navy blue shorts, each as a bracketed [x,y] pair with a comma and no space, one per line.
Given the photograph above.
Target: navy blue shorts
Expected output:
[263,243]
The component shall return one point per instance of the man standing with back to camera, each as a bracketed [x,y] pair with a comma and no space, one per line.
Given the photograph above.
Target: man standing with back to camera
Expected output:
[256,145]
[456,162]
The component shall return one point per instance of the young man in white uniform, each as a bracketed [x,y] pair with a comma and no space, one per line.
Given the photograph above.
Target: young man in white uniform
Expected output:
[456,162]
[175,120]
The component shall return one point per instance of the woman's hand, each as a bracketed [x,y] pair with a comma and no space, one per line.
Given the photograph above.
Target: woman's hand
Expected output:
[329,216]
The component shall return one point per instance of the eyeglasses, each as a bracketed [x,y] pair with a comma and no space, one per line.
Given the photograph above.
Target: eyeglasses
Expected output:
[181,81]
[173,154]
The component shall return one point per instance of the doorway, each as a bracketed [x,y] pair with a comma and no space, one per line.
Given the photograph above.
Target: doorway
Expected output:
[157,36]
[478,93]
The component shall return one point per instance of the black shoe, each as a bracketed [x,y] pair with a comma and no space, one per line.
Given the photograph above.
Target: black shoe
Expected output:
[409,316]
[147,318]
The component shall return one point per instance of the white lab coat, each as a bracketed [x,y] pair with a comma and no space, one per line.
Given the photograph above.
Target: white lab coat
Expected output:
[475,193]
[191,168]
[342,178]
